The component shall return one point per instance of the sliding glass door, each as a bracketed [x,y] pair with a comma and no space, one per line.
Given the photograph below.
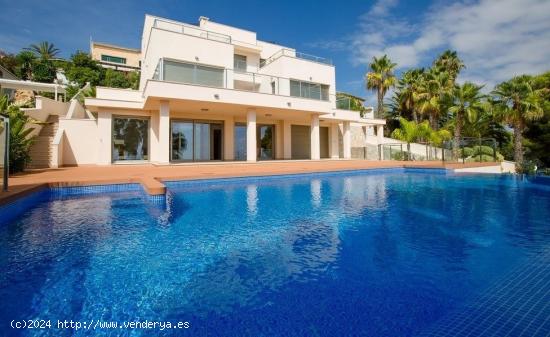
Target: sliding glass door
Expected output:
[130,138]
[182,141]
[240,141]
[265,142]
[196,141]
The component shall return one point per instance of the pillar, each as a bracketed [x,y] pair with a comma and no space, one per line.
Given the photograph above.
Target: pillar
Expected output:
[334,143]
[104,126]
[287,140]
[315,142]
[229,139]
[163,149]
[347,140]
[251,155]
[380,133]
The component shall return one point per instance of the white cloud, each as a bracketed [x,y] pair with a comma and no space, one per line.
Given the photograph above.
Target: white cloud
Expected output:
[496,39]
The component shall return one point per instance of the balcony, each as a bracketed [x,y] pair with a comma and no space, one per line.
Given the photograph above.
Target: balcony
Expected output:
[181,28]
[294,54]
[169,70]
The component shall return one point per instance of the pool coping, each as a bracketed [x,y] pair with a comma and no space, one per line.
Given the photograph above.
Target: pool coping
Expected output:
[154,185]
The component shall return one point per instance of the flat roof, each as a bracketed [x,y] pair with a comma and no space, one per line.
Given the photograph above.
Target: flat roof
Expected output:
[94,43]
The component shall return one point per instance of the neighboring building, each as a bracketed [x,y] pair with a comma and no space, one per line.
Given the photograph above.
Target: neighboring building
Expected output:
[213,92]
[116,57]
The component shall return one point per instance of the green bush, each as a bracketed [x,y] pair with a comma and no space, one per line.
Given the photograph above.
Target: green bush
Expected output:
[20,142]
[398,155]
[467,152]
[528,167]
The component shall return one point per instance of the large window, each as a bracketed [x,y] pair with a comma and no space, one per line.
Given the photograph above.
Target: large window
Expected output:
[192,73]
[130,138]
[239,63]
[309,90]
[113,59]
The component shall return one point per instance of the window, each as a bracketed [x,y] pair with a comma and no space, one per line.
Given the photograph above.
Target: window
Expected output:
[192,74]
[130,138]
[309,90]
[239,63]
[113,59]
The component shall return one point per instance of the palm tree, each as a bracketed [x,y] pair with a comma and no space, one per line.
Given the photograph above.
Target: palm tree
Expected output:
[380,79]
[410,132]
[448,61]
[406,95]
[518,103]
[466,104]
[26,61]
[433,95]
[44,49]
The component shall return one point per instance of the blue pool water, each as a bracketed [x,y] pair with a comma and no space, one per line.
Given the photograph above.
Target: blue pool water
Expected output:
[380,253]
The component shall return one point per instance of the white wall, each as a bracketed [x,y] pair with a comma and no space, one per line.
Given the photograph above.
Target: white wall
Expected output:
[168,44]
[80,141]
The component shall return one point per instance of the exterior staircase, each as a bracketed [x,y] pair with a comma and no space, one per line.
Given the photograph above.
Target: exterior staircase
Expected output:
[41,150]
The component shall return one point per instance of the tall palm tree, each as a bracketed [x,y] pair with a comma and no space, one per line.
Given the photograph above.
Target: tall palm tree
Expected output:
[450,62]
[433,95]
[26,60]
[466,105]
[44,49]
[518,103]
[380,79]
[406,95]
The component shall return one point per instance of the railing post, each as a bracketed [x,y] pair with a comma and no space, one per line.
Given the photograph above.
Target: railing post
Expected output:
[479,148]
[6,154]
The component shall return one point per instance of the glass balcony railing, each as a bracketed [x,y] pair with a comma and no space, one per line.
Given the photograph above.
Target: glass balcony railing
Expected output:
[190,30]
[189,73]
[295,54]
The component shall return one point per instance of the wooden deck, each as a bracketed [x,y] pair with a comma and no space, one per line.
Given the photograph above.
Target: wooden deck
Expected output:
[152,176]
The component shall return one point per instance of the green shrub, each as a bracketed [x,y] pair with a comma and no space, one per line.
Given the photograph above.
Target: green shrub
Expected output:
[467,152]
[20,142]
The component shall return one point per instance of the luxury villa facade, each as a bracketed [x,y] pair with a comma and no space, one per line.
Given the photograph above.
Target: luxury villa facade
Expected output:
[211,92]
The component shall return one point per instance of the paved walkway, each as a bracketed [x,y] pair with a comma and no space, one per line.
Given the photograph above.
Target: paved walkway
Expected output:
[152,176]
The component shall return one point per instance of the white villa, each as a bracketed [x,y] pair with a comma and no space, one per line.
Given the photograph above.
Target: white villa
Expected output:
[211,92]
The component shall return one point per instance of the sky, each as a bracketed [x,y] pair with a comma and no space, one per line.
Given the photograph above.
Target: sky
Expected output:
[497,39]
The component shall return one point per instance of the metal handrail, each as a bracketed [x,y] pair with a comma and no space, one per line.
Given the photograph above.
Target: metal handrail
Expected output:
[295,54]
[207,34]
[6,121]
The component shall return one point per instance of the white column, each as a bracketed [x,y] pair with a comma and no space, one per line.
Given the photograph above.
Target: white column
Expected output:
[315,142]
[229,139]
[251,135]
[380,134]
[287,140]
[163,149]
[334,143]
[104,126]
[347,141]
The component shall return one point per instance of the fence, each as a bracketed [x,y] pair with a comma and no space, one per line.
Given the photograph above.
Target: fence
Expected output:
[468,150]
[471,149]
[4,151]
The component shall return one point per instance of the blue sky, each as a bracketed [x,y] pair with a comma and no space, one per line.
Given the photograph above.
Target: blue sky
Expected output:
[496,38]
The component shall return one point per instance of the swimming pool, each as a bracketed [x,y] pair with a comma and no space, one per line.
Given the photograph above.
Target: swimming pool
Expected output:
[369,253]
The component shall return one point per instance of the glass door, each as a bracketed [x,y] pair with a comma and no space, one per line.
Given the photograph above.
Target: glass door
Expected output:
[130,138]
[266,142]
[240,141]
[196,141]
[182,141]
